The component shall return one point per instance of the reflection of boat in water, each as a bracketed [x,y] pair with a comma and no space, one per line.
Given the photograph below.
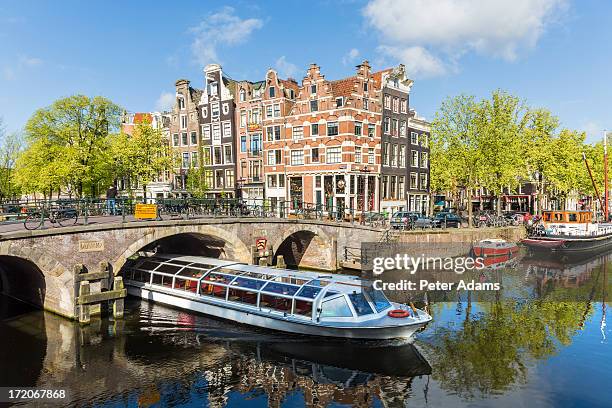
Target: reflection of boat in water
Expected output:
[494,247]
[285,300]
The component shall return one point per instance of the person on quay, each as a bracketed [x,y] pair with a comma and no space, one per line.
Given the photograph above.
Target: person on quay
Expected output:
[111,198]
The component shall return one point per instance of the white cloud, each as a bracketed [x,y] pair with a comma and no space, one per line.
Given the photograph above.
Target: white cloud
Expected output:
[451,28]
[219,29]
[350,56]
[9,72]
[418,61]
[165,101]
[24,60]
[285,68]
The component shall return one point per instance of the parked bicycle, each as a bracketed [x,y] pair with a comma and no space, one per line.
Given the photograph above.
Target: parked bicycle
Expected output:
[62,216]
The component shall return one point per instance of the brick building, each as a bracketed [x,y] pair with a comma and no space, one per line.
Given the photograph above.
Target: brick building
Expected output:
[418,160]
[330,150]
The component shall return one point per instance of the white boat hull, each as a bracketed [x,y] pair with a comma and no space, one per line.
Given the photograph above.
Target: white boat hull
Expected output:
[269,319]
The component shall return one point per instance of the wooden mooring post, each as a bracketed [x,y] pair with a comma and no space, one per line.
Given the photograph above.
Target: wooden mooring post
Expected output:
[91,294]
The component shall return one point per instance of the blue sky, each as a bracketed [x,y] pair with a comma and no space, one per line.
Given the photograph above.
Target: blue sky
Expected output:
[554,53]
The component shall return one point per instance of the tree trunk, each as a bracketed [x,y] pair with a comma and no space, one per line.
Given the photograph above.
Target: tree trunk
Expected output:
[469,207]
[498,205]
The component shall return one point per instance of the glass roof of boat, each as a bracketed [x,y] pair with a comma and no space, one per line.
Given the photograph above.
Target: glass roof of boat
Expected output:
[284,282]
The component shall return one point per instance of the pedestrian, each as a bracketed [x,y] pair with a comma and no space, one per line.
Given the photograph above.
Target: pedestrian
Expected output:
[111,197]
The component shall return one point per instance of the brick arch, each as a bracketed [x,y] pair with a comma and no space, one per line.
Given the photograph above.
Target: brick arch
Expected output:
[237,250]
[316,235]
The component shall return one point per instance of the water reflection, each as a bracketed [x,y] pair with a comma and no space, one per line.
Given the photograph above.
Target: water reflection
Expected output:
[535,340]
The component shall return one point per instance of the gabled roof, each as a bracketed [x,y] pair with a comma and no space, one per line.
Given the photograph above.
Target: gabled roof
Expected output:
[378,77]
[142,118]
[343,87]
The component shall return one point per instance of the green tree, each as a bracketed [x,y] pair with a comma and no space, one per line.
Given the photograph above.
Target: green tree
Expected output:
[78,127]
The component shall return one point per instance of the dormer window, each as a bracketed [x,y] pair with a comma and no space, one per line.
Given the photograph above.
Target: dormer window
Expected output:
[213,88]
[242,95]
[181,102]
[365,87]
[339,102]
[313,89]
[272,92]
[291,94]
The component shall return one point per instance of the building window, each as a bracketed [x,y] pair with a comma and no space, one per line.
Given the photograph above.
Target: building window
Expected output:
[297,157]
[218,155]
[270,133]
[339,102]
[334,155]
[256,144]
[314,153]
[414,161]
[175,139]
[183,121]
[281,180]
[272,181]
[313,89]
[206,132]
[365,87]
[413,181]
[185,160]
[227,129]
[387,101]
[385,154]
[277,133]
[394,127]
[206,157]
[208,177]
[396,105]
[314,105]
[272,92]
[387,124]
[181,102]
[394,156]
[424,140]
[194,138]
[358,155]
[385,187]
[255,116]
[277,110]
[371,130]
[242,95]
[184,140]
[205,111]
[371,159]
[229,178]
[298,132]
[243,143]
[414,138]
[365,104]
[403,128]
[424,160]
[400,187]
[402,156]
[332,128]
[291,94]
[228,153]
[216,132]
[269,111]
[243,119]
[194,159]
[219,178]
[314,129]
[358,127]
[225,108]
[392,192]
[271,158]
[214,107]
[403,105]
[423,181]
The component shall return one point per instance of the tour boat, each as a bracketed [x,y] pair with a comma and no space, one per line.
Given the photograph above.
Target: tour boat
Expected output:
[568,231]
[292,301]
[494,247]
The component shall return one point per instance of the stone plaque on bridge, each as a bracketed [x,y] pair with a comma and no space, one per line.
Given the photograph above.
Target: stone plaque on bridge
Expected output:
[91,246]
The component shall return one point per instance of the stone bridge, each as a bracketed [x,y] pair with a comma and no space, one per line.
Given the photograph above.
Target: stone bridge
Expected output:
[40,266]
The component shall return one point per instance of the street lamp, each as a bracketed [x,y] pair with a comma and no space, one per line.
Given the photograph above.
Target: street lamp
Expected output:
[366,171]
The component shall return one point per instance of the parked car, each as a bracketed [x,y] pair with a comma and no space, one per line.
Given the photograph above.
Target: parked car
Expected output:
[447,220]
[423,222]
[403,219]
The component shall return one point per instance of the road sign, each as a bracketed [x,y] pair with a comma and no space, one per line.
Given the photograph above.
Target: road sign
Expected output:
[145,211]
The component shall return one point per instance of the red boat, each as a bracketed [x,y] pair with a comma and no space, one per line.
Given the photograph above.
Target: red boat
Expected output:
[494,247]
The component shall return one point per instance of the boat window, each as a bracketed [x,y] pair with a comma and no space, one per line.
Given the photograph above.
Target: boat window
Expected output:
[140,276]
[193,273]
[257,275]
[148,265]
[318,282]
[558,216]
[208,289]
[248,283]
[360,303]
[243,296]
[162,280]
[168,268]
[330,293]
[379,299]
[185,284]
[275,303]
[309,292]
[282,288]
[337,307]
[219,278]
[573,217]
[303,308]
[547,217]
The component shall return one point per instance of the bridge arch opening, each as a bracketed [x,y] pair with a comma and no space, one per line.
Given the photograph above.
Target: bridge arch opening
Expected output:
[21,279]
[302,248]
[189,243]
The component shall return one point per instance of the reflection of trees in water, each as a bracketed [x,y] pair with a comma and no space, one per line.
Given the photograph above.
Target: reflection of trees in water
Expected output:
[491,352]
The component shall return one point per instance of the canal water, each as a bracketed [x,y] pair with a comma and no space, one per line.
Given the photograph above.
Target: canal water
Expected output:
[542,341]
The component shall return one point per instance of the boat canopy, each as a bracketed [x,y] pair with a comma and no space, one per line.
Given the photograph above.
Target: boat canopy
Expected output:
[274,288]
[569,217]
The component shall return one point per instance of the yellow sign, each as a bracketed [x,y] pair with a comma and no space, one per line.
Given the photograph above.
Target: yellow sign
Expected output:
[145,211]
[91,246]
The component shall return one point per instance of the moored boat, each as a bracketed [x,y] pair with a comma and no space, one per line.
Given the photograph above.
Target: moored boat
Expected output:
[568,231]
[494,247]
[299,302]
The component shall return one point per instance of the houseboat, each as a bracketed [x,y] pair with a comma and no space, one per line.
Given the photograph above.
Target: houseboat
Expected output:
[568,231]
[291,301]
